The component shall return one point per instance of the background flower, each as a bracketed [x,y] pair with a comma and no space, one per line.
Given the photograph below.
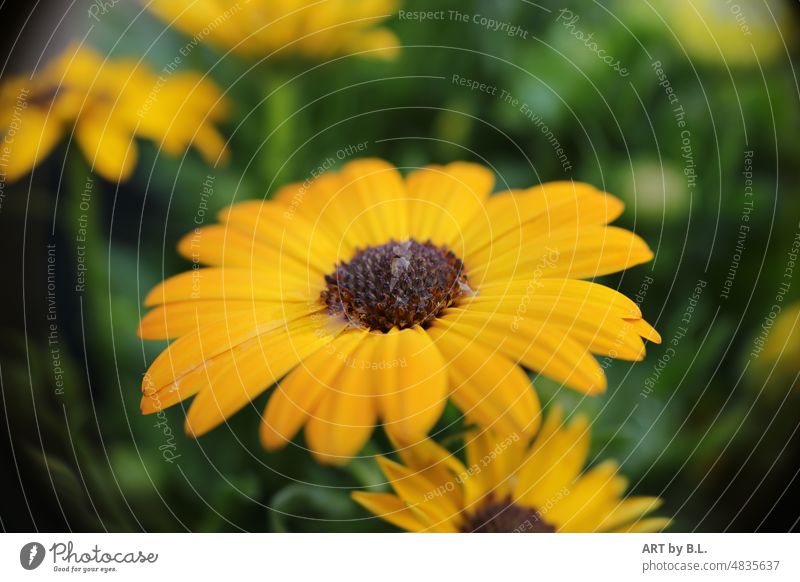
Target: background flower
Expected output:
[259,28]
[510,486]
[729,33]
[109,103]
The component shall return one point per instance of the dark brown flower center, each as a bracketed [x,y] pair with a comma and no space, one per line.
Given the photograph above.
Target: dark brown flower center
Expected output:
[506,517]
[397,284]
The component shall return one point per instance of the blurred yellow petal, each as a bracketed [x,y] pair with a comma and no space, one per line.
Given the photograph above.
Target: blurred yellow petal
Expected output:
[109,147]
[391,508]
[259,28]
[512,485]
[553,464]
[183,317]
[649,525]
[584,505]
[628,511]
[27,139]
[419,494]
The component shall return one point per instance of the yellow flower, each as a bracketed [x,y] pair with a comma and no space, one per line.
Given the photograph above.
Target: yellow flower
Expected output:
[382,296]
[510,486]
[725,33]
[775,348]
[258,28]
[108,104]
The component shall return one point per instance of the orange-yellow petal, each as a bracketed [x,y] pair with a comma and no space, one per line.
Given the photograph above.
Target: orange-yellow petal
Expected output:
[391,508]
[299,394]
[255,367]
[487,386]
[410,377]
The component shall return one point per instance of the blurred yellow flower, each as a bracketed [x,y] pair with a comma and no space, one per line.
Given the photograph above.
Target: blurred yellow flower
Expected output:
[510,486]
[775,348]
[108,104]
[382,296]
[257,28]
[734,33]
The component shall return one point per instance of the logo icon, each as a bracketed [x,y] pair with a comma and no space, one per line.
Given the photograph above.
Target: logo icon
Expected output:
[31,555]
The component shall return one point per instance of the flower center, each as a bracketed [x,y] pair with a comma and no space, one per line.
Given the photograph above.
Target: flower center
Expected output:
[506,517]
[397,284]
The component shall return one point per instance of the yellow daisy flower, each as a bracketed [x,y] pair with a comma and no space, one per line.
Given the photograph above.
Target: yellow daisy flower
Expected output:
[728,33]
[254,29]
[380,297]
[510,486]
[108,104]
[775,347]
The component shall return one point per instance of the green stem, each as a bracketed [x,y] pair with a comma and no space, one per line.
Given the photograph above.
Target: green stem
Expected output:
[83,228]
[278,126]
[365,470]
[81,222]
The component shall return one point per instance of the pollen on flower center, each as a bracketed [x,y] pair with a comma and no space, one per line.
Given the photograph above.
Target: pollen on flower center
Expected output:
[506,517]
[396,284]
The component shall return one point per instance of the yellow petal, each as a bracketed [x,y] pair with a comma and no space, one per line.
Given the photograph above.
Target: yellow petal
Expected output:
[592,251]
[380,44]
[527,291]
[177,319]
[287,232]
[191,350]
[553,464]
[409,374]
[487,386]
[344,419]
[598,328]
[230,283]
[185,370]
[550,350]
[27,140]
[256,366]
[318,202]
[628,511]
[646,330]
[443,200]
[544,210]
[222,246]
[420,494]
[438,466]
[108,145]
[299,394]
[376,195]
[211,145]
[590,499]
[492,460]
[650,525]
[391,508]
